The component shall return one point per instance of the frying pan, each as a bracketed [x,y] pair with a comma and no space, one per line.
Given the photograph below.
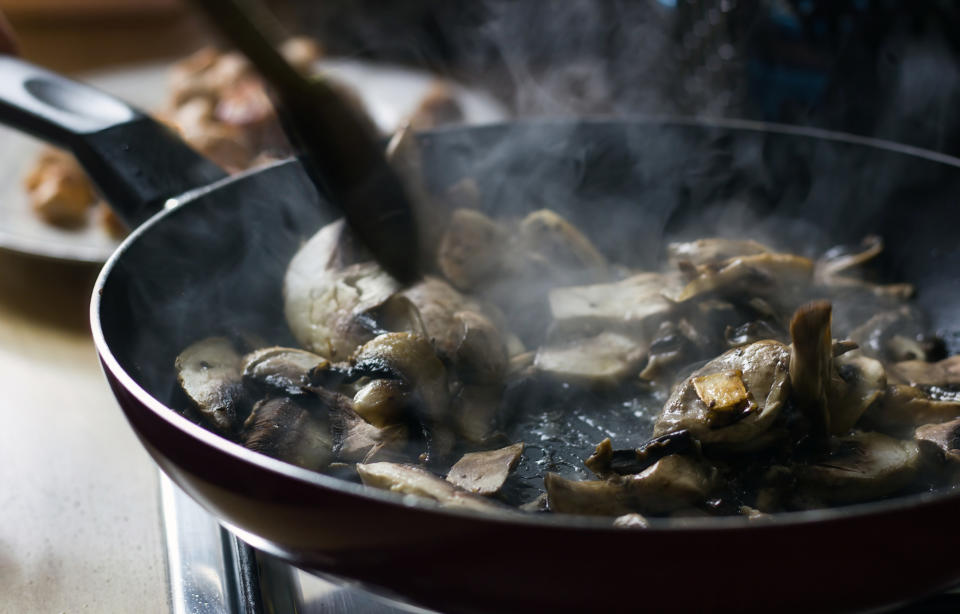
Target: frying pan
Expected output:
[214,256]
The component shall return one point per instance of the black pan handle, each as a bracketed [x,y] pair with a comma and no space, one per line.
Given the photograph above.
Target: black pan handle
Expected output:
[136,163]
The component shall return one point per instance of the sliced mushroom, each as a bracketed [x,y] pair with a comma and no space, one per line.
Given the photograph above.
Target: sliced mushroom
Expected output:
[382,402]
[283,429]
[355,440]
[484,473]
[762,368]
[604,359]
[894,335]
[769,275]
[903,408]
[472,249]
[946,436]
[412,359]
[712,251]
[863,466]
[635,304]
[944,373]
[284,370]
[858,382]
[842,259]
[327,294]
[439,303]
[209,373]
[672,483]
[560,243]
[481,355]
[811,363]
[413,480]
[606,462]
[475,409]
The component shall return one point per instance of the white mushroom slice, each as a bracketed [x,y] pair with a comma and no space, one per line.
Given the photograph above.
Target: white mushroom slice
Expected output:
[284,369]
[712,251]
[672,483]
[559,242]
[768,274]
[603,359]
[763,373]
[484,473]
[472,248]
[412,480]
[635,303]
[920,373]
[209,373]
[283,429]
[327,293]
[858,383]
[865,466]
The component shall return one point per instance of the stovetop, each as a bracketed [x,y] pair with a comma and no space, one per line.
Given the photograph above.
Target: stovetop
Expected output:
[210,571]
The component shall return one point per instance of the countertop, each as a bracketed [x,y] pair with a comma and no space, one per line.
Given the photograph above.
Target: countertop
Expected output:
[81,527]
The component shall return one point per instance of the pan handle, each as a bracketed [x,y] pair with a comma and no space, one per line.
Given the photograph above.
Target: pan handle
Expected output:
[136,163]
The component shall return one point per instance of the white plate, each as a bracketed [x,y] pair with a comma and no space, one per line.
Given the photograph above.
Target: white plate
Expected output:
[389,93]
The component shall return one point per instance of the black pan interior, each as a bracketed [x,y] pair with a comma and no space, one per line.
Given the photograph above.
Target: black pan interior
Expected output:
[216,264]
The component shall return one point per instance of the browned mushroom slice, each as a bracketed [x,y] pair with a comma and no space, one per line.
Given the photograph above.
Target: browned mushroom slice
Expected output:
[811,362]
[481,356]
[763,372]
[209,373]
[412,359]
[635,303]
[604,359]
[945,373]
[945,436]
[484,473]
[381,402]
[864,466]
[606,462]
[472,248]
[672,483]
[285,370]
[281,428]
[766,275]
[903,408]
[712,251]
[439,303]
[355,440]
[858,383]
[413,480]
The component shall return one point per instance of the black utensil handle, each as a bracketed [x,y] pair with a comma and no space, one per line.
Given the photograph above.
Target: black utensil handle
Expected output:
[136,163]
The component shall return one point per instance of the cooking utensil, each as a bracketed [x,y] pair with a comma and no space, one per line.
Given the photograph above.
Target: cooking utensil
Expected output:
[342,156]
[217,258]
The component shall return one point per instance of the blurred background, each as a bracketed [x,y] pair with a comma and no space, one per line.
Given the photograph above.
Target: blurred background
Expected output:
[875,67]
